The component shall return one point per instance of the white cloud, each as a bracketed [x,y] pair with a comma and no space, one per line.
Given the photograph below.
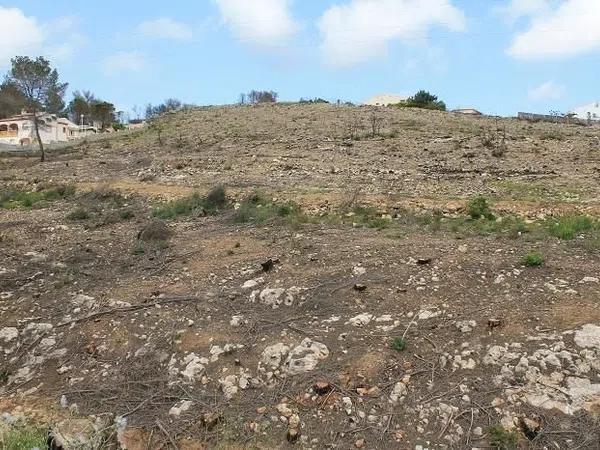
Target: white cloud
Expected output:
[547,91]
[166,28]
[571,29]
[122,62]
[517,9]
[361,29]
[19,34]
[262,22]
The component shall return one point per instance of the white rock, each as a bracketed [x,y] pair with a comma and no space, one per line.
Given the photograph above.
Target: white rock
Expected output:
[398,393]
[273,356]
[361,320]
[426,314]
[590,280]
[588,336]
[305,357]
[237,321]
[180,408]
[251,284]
[229,386]
[358,271]
[193,368]
[8,334]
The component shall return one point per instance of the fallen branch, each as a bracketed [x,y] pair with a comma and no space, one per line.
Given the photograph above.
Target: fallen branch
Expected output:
[164,301]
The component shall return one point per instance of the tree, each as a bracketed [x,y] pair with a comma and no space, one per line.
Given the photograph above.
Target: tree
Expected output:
[255,97]
[11,100]
[38,82]
[426,100]
[103,112]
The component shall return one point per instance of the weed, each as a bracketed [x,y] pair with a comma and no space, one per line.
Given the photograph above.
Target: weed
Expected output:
[155,231]
[370,218]
[23,438]
[4,374]
[126,214]
[258,209]
[569,227]
[25,199]
[79,214]
[195,204]
[552,136]
[478,208]
[532,259]
[500,439]
[399,344]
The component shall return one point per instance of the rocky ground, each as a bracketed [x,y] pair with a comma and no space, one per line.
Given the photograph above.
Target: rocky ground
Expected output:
[343,294]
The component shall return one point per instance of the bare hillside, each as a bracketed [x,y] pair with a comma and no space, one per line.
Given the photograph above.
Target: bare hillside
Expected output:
[306,276]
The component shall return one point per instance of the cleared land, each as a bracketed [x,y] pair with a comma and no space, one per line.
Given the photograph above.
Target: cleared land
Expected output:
[306,275]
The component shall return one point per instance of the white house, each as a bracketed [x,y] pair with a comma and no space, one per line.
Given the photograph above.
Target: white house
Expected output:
[588,112]
[385,100]
[20,130]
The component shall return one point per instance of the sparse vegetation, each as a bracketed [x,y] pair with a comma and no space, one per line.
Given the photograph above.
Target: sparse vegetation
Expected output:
[399,344]
[22,438]
[195,204]
[12,199]
[569,227]
[479,208]
[257,208]
[501,439]
[79,214]
[533,259]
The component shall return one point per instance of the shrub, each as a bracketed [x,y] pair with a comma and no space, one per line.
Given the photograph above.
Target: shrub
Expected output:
[258,209]
[211,203]
[478,208]
[568,227]
[533,259]
[424,100]
[399,344]
[79,214]
[501,439]
[155,231]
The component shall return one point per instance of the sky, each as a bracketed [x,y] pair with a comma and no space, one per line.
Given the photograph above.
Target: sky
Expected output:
[499,56]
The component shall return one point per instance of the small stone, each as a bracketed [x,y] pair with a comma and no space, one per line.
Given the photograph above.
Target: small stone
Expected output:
[360,443]
[360,287]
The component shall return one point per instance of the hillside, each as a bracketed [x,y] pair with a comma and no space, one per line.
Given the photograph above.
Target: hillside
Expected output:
[306,275]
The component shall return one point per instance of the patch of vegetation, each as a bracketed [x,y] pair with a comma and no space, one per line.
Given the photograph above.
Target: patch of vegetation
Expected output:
[552,136]
[214,201]
[4,374]
[501,439]
[257,208]
[399,344]
[155,231]
[13,199]
[79,214]
[569,227]
[23,438]
[369,217]
[479,208]
[533,259]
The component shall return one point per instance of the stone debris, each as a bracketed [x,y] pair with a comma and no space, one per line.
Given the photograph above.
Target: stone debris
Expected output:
[9,334]
[180,408]
[276,297]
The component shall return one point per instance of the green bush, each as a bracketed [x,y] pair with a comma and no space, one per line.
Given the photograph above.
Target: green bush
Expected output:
[478,208]
[533,259]
[399,344]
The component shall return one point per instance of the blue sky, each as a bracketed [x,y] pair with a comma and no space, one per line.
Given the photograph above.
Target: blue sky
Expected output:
[500,56]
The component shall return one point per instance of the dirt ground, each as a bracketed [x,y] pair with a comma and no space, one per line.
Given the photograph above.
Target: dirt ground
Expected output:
[414,328]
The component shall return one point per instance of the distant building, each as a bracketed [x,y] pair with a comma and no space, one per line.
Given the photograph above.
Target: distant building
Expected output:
[468,112]
[385,100]
[20,130]
[588,112]
[136,124]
